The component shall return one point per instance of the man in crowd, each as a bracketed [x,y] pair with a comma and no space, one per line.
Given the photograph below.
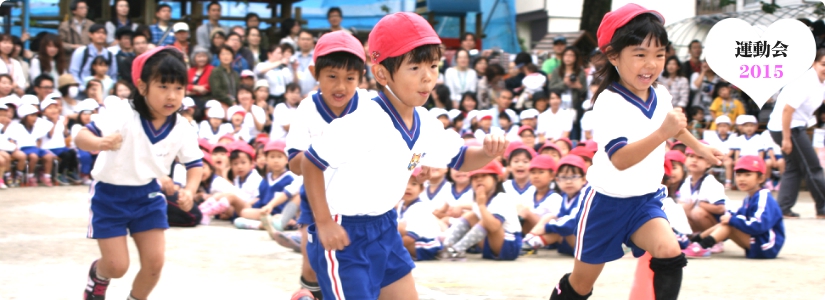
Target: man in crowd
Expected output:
[204,31]
[306,45]
[43,86]
[123,36]
[182,39]
[334,17]
[140,44]
[549,65]
[162,34]
[75,32]
[81,63]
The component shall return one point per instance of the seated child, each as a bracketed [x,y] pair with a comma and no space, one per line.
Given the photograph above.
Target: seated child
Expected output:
[518,164]
[675,213]
[756,227]
[493,220]
[723,139]
[560,229]
[697,117]
[543,200]
[585,154]
[677,175]
[213,186]
[459,201]
[701,195]
[437,188]
[485,125]
[237,115]
[244,178]
[277,178]
[564,144]
[773,160]
[550,148]
[188,111]
[417,225]
[26,134]
[214,128]
[527,136]
[724,104]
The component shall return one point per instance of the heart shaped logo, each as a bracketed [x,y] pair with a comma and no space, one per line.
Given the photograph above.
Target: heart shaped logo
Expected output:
[757,64]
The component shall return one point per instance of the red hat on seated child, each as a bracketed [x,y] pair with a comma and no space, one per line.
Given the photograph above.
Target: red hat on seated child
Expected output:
[208,158]
[591,146]
[524,128]
[338,41]
[493,167]
[675,155]
[399,33]
[515,145]
[616,19]
[583,152]
[216,146]
[243,147]
[689,151]
[566,141]
[228,136]
[573,160]
[275,145]
[205,145]
[544,162]
[551,145]
[750,163]
[668,167]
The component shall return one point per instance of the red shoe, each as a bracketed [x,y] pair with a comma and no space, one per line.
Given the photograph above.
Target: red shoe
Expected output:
[46,181]
[302,294]
[31,182]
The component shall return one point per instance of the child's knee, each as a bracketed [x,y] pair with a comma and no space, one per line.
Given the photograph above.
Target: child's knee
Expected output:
[32,157]
[116,269]
[153,266]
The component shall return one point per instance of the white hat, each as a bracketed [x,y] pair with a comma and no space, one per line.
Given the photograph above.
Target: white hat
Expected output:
[3,105]
[216,112]
[11,99]
[247,73]
[29,99]
[180,26]
[453,113]
[55,95]
[472,115]
[188,102]
[261,83]
[212,103]
[528,114]
[233,110]
[111,100]
[744,119]
[46,103]
[438,112]
[723,119]
[88,105]
[25,110]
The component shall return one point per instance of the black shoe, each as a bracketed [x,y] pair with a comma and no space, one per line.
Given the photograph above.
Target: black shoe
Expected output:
[95,287]
[790,215]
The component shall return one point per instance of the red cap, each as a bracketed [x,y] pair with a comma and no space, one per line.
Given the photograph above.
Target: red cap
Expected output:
[668,167]
[750,163]
[228,136]
[275,145]
[616,19]
[573,160]
[675,155]
[137,64]
[338,41]
[515,145]
[583,152]
[399,33]
[544,162]
[689,150]
[494,167]
[549,144]
[524,128]
[416,171]
[225,148]
[243,147]
[566,140]
[208,158]
[591,146]
[205,145]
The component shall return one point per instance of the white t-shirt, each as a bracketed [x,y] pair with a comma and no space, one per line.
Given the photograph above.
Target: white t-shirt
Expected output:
[282,115]
[278,77]
[460,82]
[707,189]
[441,195]
[750,145]
[770,144]
[249,120]
[145,153]
[534,83]
[553,125]
[548,205]
[5,144]
[713,139]
[26,138]
[676,216]
[311,118]
[587,124]
[623,119]
[249,186]
[804,94]
[374,140]
[57,140]
[523,194]
[213,137]
[503,205]
[419,219]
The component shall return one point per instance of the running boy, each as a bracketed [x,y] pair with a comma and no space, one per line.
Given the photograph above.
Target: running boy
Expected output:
[137,145]
[389,135]
[624,203]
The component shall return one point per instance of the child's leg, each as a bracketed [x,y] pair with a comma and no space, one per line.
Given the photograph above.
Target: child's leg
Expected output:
[250,213]
[656,236]
[403,288]
[530,219]
[309,280]
[151,245]
[31,161]
[728,162]
[458,230]
[723,232]
[114,257]
[48,163]
[409,244]
[579,283]
[495,235]
[5,160]
[700,219]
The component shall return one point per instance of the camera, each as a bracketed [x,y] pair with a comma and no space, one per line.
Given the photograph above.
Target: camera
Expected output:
[572,77]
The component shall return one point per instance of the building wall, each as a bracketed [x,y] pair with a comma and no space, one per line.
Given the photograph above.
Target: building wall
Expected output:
[674,11]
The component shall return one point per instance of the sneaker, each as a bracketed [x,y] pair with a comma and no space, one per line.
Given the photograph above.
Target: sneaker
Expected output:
[718,248]
[244,223]
[527,249]
[61,179]
[790,215]
[454,255]
[287,241]
[303,294]
[3,185]
[86,180]
[47,181]
[31,181]
[74,178]
[95,287]
[769,185]
[696,251]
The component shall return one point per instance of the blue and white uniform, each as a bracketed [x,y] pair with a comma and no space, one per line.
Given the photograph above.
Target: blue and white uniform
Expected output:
[715,141]
[545,204]
[440,196]
[423,227]
[269,186]
[771,145]
[566,222]
[27,139]
[125,193]
[213,136]
[311,119]
[523,194]
[372,142]
[56,141]
[707,189]
[619,202]
[761,218]
[750,145]
[248,185]
[503,208]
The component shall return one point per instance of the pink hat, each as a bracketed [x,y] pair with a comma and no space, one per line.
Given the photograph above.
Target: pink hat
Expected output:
[616,19]
[208,158]
[583,152]
[524,128]
[544,162]
[516,145]
[399,33]
[573,160]
[675,155]
[137,64]
[228,136]
[750,163]
[416,171]
[275,145]
[550,145]
[668,167]
[566,141]
[243,147]
[338,41]
[591,146]
[493,167]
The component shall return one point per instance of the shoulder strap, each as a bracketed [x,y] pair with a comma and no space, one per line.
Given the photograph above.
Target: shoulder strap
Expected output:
[85,58]
[165,34]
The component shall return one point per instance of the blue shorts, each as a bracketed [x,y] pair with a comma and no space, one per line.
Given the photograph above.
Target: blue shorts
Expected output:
[35,150]
[58,151]
[565,248]
[510,249]
[605,223]
[425,249]
[306,217]
[116,208]
[375,257]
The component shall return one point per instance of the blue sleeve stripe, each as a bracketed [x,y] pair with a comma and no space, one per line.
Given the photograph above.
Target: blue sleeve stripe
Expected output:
[292,153]
[93,128]
[413,235]
[288,195]
[614,146]
[499,217]
[718,202]
[458,160]
[193,164]
[315,159]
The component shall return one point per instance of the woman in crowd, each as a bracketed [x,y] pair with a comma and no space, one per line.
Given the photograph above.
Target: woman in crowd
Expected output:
[11,66]
[674,80]
[120,18]
[569,78]
[289,32]
[461,78]
[199,74]
[253,43]
[49,59]
[224,81]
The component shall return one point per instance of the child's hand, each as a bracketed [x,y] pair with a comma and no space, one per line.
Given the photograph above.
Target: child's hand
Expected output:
[495,144]
[424,175]
[481,195]
[538,230]
[674,123]
[167,185]
[185,200]
[332,236]
[725,219]
[712,155]
[110,142]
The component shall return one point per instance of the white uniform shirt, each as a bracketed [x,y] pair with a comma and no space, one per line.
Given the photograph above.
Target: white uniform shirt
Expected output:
[753,145]
[504,206]
[145,153]
[441,195]
[804,94]
[549,205]
[623,118]
[374,142]
[553,125]
[713,139]
[463,197]
[419,218]
[221,185]
[249,120]
[282,115]
[587,124]
[522,195]
[676,216]
[57,140]
[770,144]
[249,186]
[707,189]
[5,144]
[25,138]
[312,116]
[213,137]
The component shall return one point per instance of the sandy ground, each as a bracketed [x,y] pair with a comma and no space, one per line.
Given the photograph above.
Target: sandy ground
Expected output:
[44,255]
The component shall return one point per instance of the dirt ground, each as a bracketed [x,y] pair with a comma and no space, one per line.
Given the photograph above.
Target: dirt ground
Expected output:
[44,255]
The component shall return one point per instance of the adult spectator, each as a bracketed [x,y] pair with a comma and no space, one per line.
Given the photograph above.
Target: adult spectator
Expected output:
[702,85]
[570,80]
[468,43]
[204,32]
[12,66]
[81,64]
[489,86]
[675,82]
[217,40]
[254,21]
[20,55]
[182,39]
[334,17]
[277,72]
[123,36]
[502,106]
[255,116]
[224,80]
[68,87]
[290,29]
[241,61]
[550,65]
[517,72]
[43,86]
[199,74]
[140,44]
[306,80]
[788,123]
[693,63]
[254,44]
[120,19]
[75,31]
[480,65]
[461,78]
[50,59]
[162,34]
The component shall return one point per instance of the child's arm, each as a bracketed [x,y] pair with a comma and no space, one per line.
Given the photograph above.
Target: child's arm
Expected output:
[736,155]
[331,234]
[710,154]
[88,141]
[624,155]
[767,214]
[716,209]
[297,138]
[186,195]
[489,221]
